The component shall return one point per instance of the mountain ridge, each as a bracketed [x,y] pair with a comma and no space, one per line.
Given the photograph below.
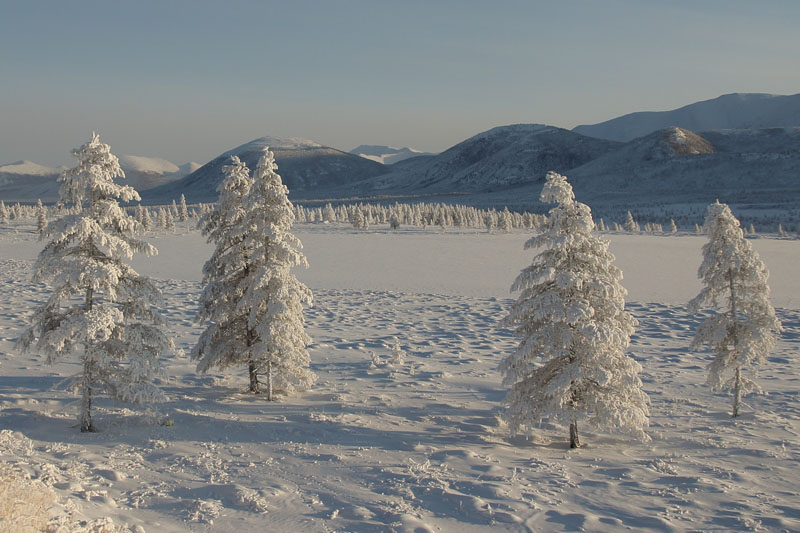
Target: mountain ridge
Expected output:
[729,111]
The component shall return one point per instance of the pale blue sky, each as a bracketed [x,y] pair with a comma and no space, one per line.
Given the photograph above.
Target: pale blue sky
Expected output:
[187,80]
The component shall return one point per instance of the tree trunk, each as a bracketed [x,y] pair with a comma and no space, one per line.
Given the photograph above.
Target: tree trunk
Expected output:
[269,381]
[254,388]
[574,439]
[86,400]
[737,385]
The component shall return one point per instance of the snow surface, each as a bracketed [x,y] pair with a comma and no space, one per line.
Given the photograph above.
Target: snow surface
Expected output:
[414,447]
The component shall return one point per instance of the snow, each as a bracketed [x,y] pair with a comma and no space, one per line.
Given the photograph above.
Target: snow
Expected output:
[417,446]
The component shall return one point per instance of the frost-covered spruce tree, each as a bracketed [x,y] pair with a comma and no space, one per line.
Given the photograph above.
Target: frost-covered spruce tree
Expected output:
[571,313]
[41,218]
[631,225]
[742,334]
[274,298]
[100,309]
[228,340]
[183,211]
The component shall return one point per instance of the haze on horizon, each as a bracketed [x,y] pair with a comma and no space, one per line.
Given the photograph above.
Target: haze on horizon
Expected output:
[185,80]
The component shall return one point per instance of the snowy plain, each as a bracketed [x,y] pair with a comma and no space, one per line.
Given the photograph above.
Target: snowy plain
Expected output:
[420,446]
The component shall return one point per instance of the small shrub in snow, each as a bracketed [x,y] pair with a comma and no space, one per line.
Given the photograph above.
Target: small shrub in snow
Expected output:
[374,360]
[743,334]
[571,312]
[24,503]
[398,356]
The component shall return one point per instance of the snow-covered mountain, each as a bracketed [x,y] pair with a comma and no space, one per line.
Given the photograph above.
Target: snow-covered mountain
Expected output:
[502,157]
[144,173]
[730,111]
[303,165]
[25,181]
[387,155]
[756,169]
[673,165]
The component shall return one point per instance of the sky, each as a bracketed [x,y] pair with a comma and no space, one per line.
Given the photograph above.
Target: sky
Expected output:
[186,80]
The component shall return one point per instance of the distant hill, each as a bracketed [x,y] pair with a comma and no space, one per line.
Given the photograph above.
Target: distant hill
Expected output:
[730,111]
[304,166]
[386,155]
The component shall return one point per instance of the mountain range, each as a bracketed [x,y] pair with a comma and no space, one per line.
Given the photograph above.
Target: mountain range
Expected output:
[741,148]
[738,111]
[303,165]
[26,181]
[386,155]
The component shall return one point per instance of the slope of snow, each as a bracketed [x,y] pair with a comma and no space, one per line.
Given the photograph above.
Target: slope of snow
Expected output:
[730,111]
[418,447]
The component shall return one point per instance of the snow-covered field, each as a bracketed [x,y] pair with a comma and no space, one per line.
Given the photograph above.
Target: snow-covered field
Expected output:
[417,447]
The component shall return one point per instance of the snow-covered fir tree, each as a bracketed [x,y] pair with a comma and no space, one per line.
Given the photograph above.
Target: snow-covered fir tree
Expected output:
[673,228]
[100,309]
[490,221]
[274,298]
[506,221]
[41,218]
[357,218]
[227,340]
[169,220]
[328,214]
[630,224]
[147,220]
[183,210]
[734,279]
[3,213]
[571,313]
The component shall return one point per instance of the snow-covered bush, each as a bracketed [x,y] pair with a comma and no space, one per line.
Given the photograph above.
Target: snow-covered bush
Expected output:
[745,330]
[24,503]
[398,355]
[571,313]
[100,309]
